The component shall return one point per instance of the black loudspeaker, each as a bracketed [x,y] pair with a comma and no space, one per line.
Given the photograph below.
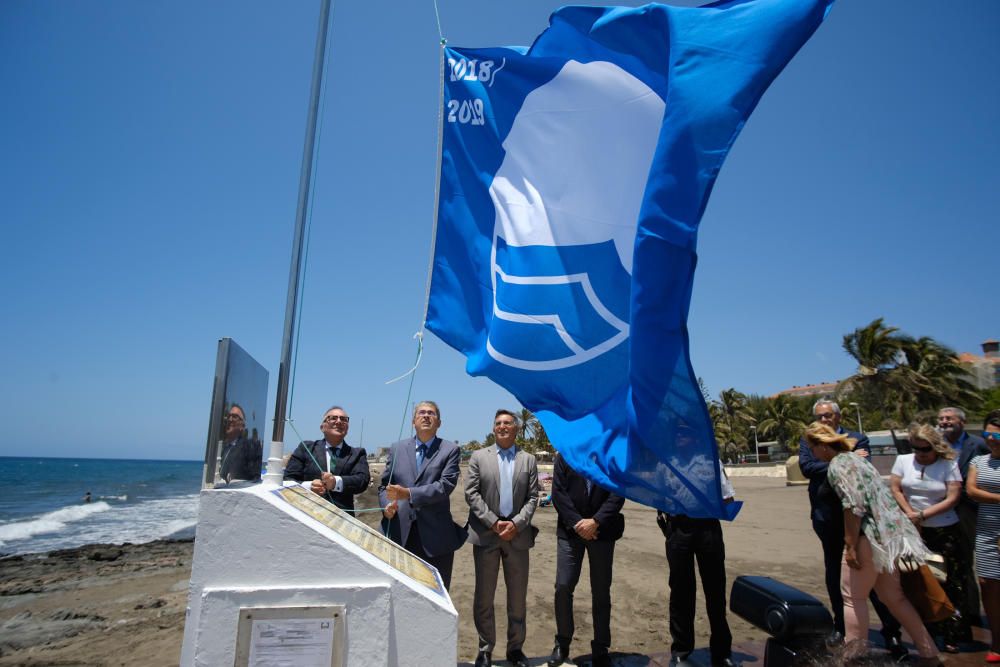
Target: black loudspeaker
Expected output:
[785,613]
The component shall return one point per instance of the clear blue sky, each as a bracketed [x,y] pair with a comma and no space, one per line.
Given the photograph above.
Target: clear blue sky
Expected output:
[150,164]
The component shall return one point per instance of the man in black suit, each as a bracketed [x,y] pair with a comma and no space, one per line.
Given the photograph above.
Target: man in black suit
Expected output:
[828,524]
[590,520]
[334,469]
[240,457]
[951,423]
[415,493]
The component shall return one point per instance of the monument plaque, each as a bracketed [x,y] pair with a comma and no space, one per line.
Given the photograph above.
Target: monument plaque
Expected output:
[363,536]
[301,636]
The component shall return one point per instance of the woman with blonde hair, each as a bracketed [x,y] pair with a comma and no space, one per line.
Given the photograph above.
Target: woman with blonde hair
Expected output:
[876,536]
[927,485]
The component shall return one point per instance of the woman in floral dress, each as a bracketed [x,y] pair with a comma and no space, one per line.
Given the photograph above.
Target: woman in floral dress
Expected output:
[876,536]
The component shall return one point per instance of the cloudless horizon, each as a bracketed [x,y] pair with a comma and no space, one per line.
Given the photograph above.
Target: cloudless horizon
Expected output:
[151,159]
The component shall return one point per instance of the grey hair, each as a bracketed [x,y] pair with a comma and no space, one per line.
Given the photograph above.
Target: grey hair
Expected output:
[332,408]
[959,412]
[826,401]
[431,404]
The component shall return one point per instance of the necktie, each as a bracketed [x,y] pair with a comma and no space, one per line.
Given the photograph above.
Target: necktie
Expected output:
[333,459]
[421,453]
[506,484]
[590,487]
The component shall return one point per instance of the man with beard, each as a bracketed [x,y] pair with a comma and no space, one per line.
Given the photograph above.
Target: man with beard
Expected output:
[951,424]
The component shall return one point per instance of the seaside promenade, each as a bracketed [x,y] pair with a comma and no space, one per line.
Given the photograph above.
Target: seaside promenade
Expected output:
[109,606]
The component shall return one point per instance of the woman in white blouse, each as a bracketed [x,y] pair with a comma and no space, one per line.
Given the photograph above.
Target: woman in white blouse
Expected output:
[927,485]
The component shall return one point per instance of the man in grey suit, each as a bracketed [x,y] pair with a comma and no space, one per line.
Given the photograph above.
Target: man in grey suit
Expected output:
[951,424]
[502,492]
[419,476]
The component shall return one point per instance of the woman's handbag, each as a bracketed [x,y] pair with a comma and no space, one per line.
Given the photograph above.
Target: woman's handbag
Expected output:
[924,592]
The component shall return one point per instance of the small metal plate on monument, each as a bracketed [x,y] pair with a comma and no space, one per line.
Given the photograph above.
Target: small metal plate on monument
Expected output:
[300,636]
[363,536]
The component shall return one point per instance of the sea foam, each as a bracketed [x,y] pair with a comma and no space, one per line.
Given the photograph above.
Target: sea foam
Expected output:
[49,522]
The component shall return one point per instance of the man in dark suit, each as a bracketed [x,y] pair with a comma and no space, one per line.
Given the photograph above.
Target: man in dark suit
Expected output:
[415,493]
[828,524]
[951,423]
[590,520]
[240,457]
[502,492]
[334,469]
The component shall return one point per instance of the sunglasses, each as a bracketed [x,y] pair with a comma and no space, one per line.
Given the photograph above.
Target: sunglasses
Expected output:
[333,419]
[992,435]
[922,450]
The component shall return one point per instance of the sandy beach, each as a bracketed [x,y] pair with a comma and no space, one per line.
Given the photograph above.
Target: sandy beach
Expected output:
[105,605]
[122,605]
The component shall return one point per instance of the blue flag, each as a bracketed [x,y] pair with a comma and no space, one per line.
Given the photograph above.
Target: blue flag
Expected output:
[574,174]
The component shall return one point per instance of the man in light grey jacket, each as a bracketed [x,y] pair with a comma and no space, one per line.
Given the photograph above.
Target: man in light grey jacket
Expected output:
[502,492]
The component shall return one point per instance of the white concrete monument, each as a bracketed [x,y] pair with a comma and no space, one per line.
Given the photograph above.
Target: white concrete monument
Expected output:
[282,577]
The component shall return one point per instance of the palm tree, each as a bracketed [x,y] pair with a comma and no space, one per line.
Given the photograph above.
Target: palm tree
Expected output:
[731,421]
[732,407]
[875,347]
[879,382]
[942,379]
[904,377]
[785,420]
[529,425]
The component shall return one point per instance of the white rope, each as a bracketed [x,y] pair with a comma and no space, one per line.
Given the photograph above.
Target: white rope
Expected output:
[419,336]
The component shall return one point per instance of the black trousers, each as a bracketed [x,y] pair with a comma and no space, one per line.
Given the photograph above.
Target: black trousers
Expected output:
[831,536]
[569,563]
[690,540]
[443,563]
[969,605]
[946,541]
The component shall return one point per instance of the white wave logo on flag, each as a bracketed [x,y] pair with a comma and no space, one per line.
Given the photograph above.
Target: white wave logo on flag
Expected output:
[574,174]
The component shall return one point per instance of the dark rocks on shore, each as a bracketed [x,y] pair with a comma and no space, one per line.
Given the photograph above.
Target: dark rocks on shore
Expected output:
[94,605]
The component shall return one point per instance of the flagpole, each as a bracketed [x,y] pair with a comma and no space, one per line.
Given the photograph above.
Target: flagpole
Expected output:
[275,460]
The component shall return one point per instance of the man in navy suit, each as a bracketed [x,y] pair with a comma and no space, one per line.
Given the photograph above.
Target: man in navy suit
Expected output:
[951,423]
[828,524]
[334,469]
[419,476]
[590,520]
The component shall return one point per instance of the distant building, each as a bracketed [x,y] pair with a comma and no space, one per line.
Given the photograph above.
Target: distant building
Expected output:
[821,389]
[984,371]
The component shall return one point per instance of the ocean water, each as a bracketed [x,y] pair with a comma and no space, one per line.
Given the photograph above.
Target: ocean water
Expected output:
[42,508]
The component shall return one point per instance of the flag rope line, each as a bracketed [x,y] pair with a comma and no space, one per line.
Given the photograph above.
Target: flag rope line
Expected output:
[419,336]
[305,264]
[327,496]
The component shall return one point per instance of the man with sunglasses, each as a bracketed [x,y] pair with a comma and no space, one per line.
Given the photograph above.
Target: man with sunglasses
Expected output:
[333,469]
[828,524]
[951,424]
